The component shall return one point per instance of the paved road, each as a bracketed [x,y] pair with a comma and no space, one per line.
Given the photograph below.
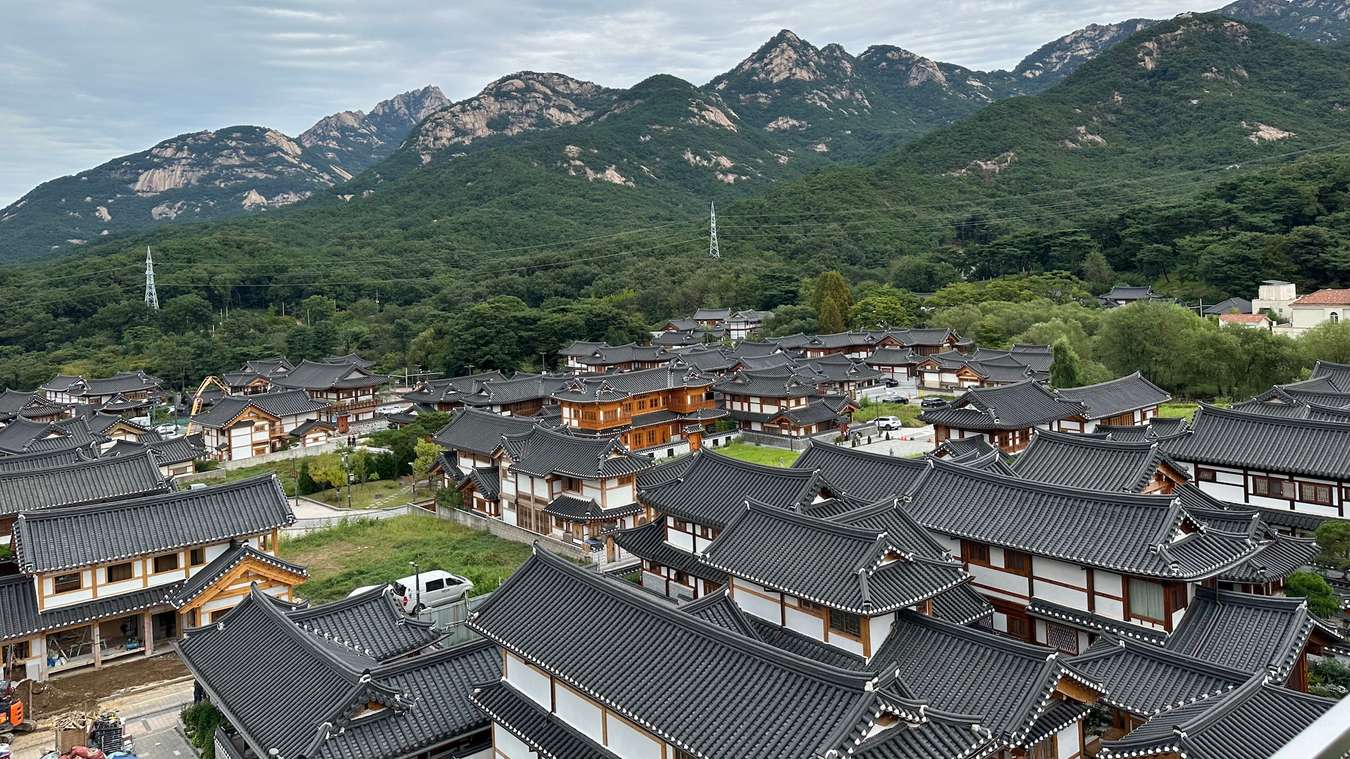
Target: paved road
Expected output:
[906,443]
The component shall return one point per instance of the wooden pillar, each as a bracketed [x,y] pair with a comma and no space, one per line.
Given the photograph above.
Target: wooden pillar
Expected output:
[148,632]
[95,640]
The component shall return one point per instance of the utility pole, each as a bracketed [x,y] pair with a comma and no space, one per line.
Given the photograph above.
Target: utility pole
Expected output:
[713,252]
[151,296]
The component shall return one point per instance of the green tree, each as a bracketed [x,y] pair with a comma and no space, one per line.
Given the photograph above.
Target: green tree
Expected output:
[304,483]
[424,461]
[884,306]
[327,470]
[833,299]
[1065,369]
[1333,536]
[1328,341]
[361,464]
[1322,600]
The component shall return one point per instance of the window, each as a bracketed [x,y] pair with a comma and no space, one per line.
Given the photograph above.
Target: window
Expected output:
[1017,562]
[68,583]
[1146,599]
[842,621]
[1017,626]
[1272,487]
[681,525]
[13,652]
[197,557]
[1205,475]
[436,584]
[166,563]
[681,577]
[802,603]
[120,572]
[1313,492]
[974,553]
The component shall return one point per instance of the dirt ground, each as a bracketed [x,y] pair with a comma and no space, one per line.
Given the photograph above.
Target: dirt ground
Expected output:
[83,691]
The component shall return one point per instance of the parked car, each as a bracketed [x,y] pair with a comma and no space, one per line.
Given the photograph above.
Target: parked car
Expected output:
[933,402]
[895,398]
[888,423]
[438,588]
[168,430]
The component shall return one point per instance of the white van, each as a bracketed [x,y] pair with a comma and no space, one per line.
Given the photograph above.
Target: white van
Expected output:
[438,588]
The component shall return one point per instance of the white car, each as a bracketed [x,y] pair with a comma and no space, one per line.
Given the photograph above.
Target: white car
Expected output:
[888,423]
[438,588]
[168,430]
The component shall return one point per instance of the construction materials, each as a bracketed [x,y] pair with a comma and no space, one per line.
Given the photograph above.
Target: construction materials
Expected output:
[72,731]
[107,733]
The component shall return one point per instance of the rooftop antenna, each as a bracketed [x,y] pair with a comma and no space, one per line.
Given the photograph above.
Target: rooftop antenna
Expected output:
[151,296]
[713,252]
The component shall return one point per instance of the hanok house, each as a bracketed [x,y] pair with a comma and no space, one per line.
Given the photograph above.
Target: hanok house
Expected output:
[835,583]
[472,440]
[522,395]
[648,410]
[1005,416]
[1252,721]
[123,578]
[926,342]
[353,678]
[1125,401]
[348,390]
[840,375]
[1124,295]
[782,402]
[243,426]
[688,502]
[256,376]
[1061,564]
[742,324]
[1296,466]
[954,370]
[25,490]
[572,696]
[604,358]
[444,394]
[31,406]
[176,456]
[1083,461]
[899,365]
[572,487]
[23,436]
[126,392]
[854,345]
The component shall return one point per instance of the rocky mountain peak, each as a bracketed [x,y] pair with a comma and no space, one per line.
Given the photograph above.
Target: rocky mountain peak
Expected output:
[412,106]
[1059,58]
[1325,22]
[787,57]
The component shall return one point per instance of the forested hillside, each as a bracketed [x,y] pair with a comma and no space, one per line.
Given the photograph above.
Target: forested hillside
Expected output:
[1197,155]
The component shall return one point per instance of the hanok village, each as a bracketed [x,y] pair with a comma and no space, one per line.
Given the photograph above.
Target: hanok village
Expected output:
[1054,573]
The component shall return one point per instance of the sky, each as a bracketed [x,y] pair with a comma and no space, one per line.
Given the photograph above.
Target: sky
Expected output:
[84,81]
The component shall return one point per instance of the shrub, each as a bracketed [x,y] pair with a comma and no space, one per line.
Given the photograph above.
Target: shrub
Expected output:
[200,722]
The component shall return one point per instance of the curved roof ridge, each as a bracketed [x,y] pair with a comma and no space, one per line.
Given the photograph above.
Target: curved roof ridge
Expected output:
[632,596]
[1207,409]
[754,506]
[1139,499]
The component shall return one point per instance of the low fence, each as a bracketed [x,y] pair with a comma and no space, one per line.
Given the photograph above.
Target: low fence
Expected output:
[297,452]
[311,524]
[514,533]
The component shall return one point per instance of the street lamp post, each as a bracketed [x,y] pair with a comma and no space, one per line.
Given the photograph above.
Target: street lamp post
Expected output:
[417,585]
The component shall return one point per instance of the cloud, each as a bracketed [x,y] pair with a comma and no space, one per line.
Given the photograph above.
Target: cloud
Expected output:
[87,80]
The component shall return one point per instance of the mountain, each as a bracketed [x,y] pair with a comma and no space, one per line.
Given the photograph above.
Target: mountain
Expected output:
[1326,22]
[209,175]
[1058,58]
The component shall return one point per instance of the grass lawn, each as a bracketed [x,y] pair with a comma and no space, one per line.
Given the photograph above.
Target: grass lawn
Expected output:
[761,454]
[284,470]
[1185,409]
[907,412]
[370,552]
[377,493]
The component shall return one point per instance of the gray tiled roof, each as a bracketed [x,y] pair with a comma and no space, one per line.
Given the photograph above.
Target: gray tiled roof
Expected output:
[1246,632]
[19,615]
[648,541]
[123,382]
[862,474]
[714,488]
[1118,396]
[447,389]
[279,403]
[962,605]
[969,670]
[314,375]
[479,431]
[934,734]
[31,462]
[711,678]
[1143,678]
[80,535]
[615,387]
[1337,374]
[1225,438]
[1007,407]
[371,622]
[174,450]
[1235,725]
[520,388]
[963,448]
[773,383]
[1134,534]
[302,702]
[103,479]
[542,451]
[1158,428]
[580,509]
[1089,462]
[853,569]
[894,357]
[1092,622]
